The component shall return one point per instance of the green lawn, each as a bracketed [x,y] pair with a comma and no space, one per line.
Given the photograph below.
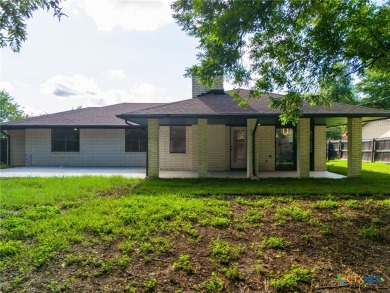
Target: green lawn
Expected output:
[88,234]
[375,180]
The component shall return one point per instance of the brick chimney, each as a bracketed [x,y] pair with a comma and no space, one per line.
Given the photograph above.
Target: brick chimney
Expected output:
[200,90]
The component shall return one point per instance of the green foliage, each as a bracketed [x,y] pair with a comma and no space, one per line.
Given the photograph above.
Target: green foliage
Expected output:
[220,222]
[375,87]
[287,45]
[291,278]
[326,205]
[275,242]
[335,133]
[293,212]
[150,285]
[370,232]
[14,17]
[233,274]
[326,229]
[9,109]
[184,263]
[223,251]
[353,204]
[9,248]
[57,286]
[253,216]
[213,284]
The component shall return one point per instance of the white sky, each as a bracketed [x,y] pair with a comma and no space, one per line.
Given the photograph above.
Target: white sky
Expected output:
[104,52]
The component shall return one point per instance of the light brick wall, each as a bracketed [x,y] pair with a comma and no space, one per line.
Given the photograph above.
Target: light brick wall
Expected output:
[250,126]
[320,148]
[216,147]
[153,147]
[227,147]
[266,148]
[195,148]
[303,147]
[17,147]
[354,147]
[98,148]
[198,88]
[175,161]
[202,148]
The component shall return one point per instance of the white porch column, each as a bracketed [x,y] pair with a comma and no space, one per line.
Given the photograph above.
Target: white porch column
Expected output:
[153,148]
[320,148]
[303,147]
[354,147]
[202,147]
[250,139]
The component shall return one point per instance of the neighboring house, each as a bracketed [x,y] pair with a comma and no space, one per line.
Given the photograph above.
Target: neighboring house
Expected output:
[206,133]
[376,129]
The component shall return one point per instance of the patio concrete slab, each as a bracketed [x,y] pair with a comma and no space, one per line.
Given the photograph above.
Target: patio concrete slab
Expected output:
[242,174]
[72,171]
[140,173]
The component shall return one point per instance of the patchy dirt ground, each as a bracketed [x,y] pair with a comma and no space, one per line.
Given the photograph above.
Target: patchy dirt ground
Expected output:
[263,244]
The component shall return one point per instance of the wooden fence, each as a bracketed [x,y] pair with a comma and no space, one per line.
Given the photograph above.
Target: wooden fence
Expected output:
[373,150]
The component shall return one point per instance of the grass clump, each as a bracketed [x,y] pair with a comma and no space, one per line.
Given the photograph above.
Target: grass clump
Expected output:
[253,216]
[370,232]
[184,263]
[150,285]
[223,251]
[353,204]
[291,278]
[292,212]
[326,205]
[275,243]
[233,273]
[213,284]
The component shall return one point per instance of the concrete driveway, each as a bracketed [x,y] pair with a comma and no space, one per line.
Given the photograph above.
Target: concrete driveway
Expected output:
[72,171]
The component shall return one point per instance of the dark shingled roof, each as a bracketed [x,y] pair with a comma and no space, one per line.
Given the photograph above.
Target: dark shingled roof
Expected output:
[93,117]
[224,104]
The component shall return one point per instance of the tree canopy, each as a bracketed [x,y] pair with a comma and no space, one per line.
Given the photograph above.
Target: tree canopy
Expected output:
[13,17]
[291,46]
[9,109]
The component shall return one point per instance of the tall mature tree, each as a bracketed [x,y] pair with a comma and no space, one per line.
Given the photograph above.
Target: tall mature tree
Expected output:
[375,87]
[13,17]
[287,45]
[9,109]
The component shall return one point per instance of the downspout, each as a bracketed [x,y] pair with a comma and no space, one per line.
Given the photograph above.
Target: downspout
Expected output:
[147,150]
[8,147]
[254,148]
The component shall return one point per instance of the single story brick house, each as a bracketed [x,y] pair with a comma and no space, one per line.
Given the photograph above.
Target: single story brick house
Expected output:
[206,133]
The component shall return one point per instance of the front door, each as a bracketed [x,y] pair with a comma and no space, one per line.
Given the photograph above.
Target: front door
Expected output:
[285,149]
[238,147]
